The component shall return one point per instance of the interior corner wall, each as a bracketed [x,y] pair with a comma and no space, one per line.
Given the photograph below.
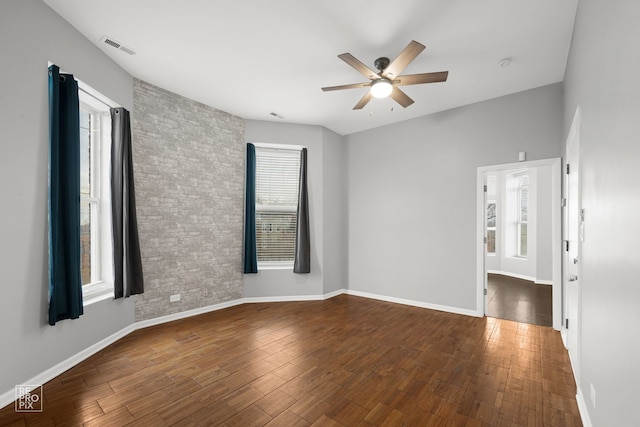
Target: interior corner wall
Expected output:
[602,79]
[189,174]
[36,35]
[334,204]
[325,177]
[412,193]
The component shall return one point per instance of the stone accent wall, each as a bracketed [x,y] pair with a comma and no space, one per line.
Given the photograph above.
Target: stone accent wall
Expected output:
[189,176]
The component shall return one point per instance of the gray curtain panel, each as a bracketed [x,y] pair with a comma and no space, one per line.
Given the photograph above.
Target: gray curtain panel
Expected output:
[250,243]
[302,261]
[127,262]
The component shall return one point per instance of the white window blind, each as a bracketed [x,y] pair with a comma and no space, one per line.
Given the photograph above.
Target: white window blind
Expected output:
[277,176]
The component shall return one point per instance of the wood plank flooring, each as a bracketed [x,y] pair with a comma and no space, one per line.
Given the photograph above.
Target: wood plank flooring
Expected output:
[346,361]
[518,300]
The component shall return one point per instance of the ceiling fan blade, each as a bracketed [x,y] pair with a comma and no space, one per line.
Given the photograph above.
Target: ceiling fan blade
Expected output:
[341,87]
[363,101]
[416,79]
[409,53]
[359,66]
[400,97]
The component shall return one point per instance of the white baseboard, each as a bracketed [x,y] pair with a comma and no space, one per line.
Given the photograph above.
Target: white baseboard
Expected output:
[413,303]
[516,275]
[9,396]
[65,365]
[543,282]
[252,300]
[582,408]
[184,314]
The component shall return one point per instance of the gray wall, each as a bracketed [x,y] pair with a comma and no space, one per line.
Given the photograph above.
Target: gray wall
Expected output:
[544,216]
[412,193]
[334,205]
[33,35]
[189,166]
[325,176]
[602,78]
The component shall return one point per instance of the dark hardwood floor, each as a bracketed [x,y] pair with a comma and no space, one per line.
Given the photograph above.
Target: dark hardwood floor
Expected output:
[346,361]
[518,300]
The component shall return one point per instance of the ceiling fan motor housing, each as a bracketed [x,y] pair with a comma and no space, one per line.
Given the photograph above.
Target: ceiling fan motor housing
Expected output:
[381,63]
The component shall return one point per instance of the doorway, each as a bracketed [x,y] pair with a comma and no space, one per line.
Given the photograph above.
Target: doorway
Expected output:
[518,257]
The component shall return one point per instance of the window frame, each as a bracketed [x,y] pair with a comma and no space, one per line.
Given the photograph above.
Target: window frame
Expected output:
[275,265]
[101,285]
[492,228]
[519,217]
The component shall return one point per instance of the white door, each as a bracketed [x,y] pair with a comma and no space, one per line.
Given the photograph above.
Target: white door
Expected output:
[572,249]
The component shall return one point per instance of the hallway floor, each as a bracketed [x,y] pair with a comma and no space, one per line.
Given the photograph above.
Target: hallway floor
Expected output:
[519,300]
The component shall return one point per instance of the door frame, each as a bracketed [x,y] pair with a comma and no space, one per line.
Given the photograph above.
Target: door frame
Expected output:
[556,232]
[572,337]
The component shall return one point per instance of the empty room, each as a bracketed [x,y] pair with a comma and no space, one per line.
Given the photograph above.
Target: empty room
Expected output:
[328,213]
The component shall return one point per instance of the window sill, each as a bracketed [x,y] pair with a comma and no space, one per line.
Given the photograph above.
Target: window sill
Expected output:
[96,298]
[96,292]
[275,267]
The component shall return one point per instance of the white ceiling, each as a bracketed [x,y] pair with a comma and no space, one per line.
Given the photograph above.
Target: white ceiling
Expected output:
[254,57]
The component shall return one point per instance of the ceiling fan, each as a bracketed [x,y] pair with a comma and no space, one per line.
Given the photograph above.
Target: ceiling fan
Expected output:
[386,81]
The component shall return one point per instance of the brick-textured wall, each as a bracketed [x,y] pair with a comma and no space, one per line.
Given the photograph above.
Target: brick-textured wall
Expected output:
[189,176]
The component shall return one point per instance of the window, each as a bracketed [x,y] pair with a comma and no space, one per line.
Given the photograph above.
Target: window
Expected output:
[95,215]
[491,227]
[491,214]
[521,223]
[89,194]
[277,176]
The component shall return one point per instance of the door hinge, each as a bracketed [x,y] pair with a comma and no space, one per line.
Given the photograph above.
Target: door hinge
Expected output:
[566,244]
[485,188]
[485,291]
[566,323]
[564,202]
[485,240]
[568,168]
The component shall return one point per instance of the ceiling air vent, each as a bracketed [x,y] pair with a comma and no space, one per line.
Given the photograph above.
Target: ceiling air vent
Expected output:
[111,42]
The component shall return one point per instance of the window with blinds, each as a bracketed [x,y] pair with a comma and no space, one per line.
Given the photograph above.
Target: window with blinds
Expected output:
[277,176]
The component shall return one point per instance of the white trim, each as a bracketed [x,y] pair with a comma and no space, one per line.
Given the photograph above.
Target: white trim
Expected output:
[184,314]
[445,308]
[9,396]
[521,276]
[582,404]
[254,300]
[515,275]
[275,265]
[46,376]
[582,408]
[279,146]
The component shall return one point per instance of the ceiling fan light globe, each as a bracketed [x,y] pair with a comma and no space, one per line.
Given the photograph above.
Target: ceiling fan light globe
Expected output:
[381,88]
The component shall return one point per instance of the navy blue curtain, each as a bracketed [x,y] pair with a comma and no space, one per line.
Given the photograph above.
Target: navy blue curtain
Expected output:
[127,261]
[65,281]
[250,245]
[302,260]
